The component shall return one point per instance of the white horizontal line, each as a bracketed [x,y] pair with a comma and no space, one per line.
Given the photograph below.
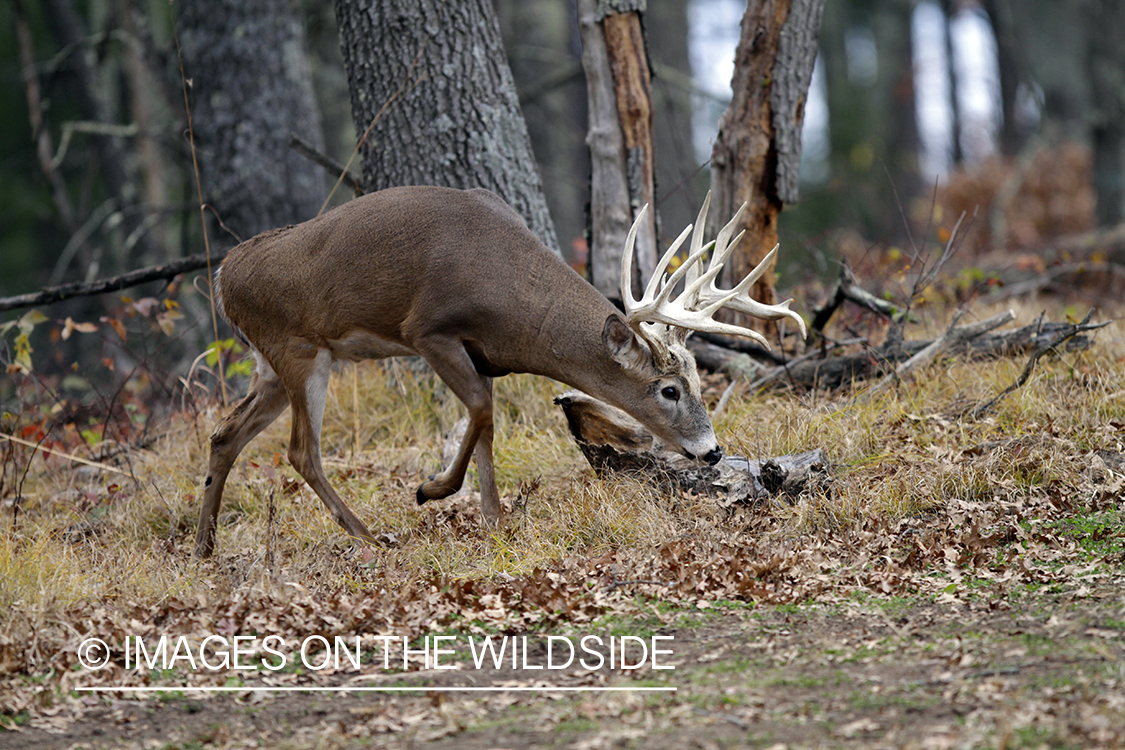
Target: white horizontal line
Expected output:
[418,689]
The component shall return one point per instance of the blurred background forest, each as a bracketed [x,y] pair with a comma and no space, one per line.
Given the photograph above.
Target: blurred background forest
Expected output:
[1010,110]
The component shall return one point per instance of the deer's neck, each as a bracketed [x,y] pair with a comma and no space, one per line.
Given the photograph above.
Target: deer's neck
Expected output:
[569,342]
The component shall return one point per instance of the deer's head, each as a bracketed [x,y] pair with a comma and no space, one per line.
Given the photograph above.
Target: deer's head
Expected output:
[649,342]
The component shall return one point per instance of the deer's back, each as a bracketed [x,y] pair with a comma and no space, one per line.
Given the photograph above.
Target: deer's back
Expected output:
[395,264]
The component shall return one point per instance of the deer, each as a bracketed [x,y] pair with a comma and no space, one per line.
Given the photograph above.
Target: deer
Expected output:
[456,277]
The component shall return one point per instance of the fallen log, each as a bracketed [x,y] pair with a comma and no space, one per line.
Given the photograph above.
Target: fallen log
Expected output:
[616,444]
[809,372]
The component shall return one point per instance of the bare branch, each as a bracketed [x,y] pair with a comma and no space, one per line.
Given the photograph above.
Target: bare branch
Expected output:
[333,167]
[1050,344]
[953,335]
[54,294]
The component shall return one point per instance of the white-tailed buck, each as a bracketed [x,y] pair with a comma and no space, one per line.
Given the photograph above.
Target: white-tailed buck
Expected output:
[456,277]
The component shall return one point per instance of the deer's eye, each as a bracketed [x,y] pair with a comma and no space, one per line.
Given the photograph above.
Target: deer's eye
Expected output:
[670,392]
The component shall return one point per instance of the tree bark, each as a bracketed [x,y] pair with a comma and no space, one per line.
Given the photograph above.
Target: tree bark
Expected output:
[252,88]
[540,37]
[622,179]
[1106,24]
[429,79]
[757,154]
[680,183]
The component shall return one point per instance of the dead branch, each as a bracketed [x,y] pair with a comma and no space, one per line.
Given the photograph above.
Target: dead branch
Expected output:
[738,365]
[54,294]
[817,369]
[1046,345]
[781,371]
[848,289]
[330,165]
[952,335]
[757,351]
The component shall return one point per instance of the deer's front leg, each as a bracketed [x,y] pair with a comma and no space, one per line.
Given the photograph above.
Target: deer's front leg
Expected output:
[250,416]
[453,365]
[489,495]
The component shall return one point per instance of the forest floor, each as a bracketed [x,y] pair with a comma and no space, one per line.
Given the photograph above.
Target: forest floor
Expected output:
[961,585]
[1040,670]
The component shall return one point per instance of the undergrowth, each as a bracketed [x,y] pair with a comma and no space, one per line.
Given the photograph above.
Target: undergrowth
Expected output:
[926,502]
[76,533]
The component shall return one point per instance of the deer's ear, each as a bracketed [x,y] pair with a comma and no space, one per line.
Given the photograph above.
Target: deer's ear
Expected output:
[623,344]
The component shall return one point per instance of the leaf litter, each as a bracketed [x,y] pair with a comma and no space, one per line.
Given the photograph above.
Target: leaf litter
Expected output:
[962,587]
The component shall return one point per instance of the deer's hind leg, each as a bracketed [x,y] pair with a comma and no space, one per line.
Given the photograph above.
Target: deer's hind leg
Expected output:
[307,384]
[262,405]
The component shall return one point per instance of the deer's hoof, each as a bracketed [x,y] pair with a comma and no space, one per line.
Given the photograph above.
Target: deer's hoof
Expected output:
[420,495]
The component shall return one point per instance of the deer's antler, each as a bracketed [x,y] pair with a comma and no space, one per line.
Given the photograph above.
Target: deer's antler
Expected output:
[701,298]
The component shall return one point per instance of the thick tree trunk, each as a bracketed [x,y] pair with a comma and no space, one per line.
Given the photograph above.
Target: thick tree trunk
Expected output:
[540,37]
[252,88]
[757,154]
[430,80]
[1106,24]
[619,86]
[680,183]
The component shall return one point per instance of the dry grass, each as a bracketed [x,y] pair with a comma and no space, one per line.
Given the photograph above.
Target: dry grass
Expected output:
[80,536]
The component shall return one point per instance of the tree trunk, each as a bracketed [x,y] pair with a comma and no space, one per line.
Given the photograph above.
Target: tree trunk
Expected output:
[251,86]
[1106,23]
[429,79]
[540,37]
[619,87]
[1056,35]
[896,75]
[956,156]
[757,153]
[680,183]
[1008,65]
[71,35]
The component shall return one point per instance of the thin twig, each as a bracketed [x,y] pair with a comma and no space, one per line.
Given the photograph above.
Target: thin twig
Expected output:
[330,165]
[67,456]
[1055,341]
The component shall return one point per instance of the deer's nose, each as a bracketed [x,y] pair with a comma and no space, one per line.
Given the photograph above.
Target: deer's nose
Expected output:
[713,456]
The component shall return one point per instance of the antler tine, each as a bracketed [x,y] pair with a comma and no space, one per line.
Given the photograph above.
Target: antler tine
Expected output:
[627,299]
[658,281]
[723,243]
[659,288]
[720,253]
[693,309]
[738,300]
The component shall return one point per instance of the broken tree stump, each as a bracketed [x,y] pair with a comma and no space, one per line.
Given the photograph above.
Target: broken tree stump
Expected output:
[615,443]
